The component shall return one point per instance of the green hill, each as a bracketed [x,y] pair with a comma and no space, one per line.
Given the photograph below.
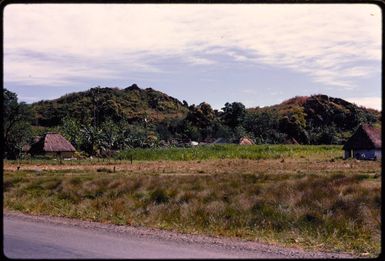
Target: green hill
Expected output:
[322,110]
[100,121]
[97,104]
[316,119]
[320,119]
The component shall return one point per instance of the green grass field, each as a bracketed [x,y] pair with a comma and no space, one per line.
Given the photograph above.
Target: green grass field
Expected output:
[228,151]
[304,196]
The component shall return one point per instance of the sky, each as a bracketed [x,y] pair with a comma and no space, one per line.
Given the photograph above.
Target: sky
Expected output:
[257,54]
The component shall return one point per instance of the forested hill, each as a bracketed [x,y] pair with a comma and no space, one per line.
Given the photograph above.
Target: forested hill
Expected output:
[110,119]
[132,104]
[316,119]
[322,110]
[319,119]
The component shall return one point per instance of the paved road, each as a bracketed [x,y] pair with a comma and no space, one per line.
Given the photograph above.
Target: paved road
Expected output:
[28,238]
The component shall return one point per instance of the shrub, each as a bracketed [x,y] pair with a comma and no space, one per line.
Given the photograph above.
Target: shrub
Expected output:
[159,196]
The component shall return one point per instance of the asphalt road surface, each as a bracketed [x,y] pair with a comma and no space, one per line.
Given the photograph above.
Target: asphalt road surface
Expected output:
[44,237]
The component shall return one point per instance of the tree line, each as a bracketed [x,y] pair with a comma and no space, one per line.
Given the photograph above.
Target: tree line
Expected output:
[286,123]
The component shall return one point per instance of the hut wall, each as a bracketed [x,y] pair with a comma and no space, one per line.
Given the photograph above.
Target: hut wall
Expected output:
[378,154]
[364,154]
[63,154]
[348,154]
[68,154]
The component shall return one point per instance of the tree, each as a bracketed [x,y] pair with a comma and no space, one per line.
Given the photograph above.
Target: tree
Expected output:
[91,138]
[293,128]
[325,135]
[221,131]
[136,136]
[191,132]
[199,122]
[163,131]
[233,114]
[238,133]
[71,131]
[264,126]
[201,116]
[109,136]
[16,125]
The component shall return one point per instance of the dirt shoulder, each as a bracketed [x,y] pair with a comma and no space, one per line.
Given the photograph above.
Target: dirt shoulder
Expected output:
[222,166]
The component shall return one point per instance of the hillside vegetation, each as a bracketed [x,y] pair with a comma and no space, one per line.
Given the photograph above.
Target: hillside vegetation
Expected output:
[319,119]
[101,121]
[132,104]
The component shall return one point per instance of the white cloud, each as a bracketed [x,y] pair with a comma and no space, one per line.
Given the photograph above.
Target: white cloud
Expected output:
[238,57]
[326,42]
[199,60]
[358,71]
[369,102]
[38,69]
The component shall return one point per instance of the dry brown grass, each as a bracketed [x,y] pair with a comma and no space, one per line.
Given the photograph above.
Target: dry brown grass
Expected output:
[313,203]
[223,166]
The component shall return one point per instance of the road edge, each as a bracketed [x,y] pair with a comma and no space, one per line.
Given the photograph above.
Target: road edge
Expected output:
[159,234]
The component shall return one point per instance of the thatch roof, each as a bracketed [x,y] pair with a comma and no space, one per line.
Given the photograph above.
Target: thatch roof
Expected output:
[26,148]
[52,142]
[246,141]
[366,137]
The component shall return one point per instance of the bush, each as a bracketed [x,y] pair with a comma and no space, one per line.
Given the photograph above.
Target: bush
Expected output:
[159,196]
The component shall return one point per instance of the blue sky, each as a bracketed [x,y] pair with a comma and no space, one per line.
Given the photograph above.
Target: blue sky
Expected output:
[257,54]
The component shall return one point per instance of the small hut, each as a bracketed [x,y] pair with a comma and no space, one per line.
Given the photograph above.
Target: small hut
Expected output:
[246,141]
[52,144]
[365,143]
[25,149]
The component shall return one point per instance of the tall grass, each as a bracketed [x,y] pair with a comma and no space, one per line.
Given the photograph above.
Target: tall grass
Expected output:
[207,152]
[337,212]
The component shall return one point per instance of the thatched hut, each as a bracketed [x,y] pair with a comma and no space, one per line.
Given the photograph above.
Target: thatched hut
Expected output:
[365,143]
[52,144]
[246,141]
[25,149]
